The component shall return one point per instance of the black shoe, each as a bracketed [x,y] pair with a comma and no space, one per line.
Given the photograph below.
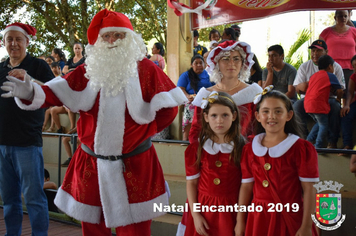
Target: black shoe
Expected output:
[60,130]
[66,163]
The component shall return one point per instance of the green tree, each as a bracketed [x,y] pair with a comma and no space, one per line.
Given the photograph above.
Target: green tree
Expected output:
[60,23]
[303,36]
[204,33]
[149,18]
[329,21]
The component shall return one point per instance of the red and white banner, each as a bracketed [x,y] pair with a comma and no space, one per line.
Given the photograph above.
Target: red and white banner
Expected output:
[217,12]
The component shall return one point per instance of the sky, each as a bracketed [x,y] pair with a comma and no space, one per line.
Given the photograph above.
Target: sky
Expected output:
[280,29]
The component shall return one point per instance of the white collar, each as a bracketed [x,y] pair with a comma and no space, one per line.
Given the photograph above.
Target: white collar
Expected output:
[275,151]
[215,148]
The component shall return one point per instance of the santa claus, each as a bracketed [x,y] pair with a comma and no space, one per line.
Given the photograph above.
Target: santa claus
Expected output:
[123,99]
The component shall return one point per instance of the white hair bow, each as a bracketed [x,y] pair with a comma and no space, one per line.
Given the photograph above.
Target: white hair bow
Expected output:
[210,99]
[258,97]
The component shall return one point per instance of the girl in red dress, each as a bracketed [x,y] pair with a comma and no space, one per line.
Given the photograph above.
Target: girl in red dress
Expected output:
[213,169]
[278,170]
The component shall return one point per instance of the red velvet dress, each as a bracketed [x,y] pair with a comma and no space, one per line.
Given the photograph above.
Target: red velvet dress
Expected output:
[244,101]
[292,161]
[218,186]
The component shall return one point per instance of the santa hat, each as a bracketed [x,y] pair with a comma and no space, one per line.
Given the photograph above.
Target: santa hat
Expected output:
[27,30]
[228,46]
[106,21]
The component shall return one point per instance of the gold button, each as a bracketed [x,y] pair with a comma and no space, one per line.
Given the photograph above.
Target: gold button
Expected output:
[218,163]
[216,181]
[265,183]
[267,166]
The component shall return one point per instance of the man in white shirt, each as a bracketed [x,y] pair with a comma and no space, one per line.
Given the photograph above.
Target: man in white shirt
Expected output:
[305,71]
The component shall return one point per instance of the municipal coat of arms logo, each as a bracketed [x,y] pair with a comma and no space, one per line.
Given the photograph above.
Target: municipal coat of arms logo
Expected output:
[328,206]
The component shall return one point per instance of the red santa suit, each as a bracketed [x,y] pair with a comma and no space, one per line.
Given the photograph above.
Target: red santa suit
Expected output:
[124,191]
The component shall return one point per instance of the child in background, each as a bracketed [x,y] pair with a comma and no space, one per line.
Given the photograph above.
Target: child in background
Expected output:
[66,143]
[213,167]
[56,69]
[47,183]
[278,168]
[316,101]
[49,60]
[348,112]
[214,35]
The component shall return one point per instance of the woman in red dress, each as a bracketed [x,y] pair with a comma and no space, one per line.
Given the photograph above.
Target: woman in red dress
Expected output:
[230,76]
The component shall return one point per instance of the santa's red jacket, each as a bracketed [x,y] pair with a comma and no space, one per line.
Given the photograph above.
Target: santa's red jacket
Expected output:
[123,190]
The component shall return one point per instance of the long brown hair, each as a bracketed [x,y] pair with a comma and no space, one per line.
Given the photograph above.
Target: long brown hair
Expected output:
[292,126]
[233,133]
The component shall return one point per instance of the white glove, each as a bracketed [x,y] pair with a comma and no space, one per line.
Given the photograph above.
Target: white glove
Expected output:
[18,88]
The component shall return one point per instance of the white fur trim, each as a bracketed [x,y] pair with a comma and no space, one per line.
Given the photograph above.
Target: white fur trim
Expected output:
[38,99]
[143,112]
[247,94]
[113,194]
[276,151]
[181,229]
[249,180]
[203,93]
[109,134]
[111,118]
[66,203]
[114,29]
[108,137]
[143,211]
[308,179]
[18,28]
[211,63]
[215,148]
[74,100]
[242,97]
[192,176]
[114,199]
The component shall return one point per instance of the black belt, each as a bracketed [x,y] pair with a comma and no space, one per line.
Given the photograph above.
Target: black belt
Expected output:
[144,146]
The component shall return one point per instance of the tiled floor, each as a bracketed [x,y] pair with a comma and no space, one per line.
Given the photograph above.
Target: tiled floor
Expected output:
[55,228]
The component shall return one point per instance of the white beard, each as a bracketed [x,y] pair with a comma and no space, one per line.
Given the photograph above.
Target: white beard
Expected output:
[109,67]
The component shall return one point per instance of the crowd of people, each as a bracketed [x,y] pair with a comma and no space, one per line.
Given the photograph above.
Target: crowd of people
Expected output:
[281,111]
[338,41]
[60,67]
[234,114]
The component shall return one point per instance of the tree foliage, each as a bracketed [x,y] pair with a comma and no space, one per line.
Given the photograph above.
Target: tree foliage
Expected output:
[204,33]
[61,23]
[329,21]
[303,36]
